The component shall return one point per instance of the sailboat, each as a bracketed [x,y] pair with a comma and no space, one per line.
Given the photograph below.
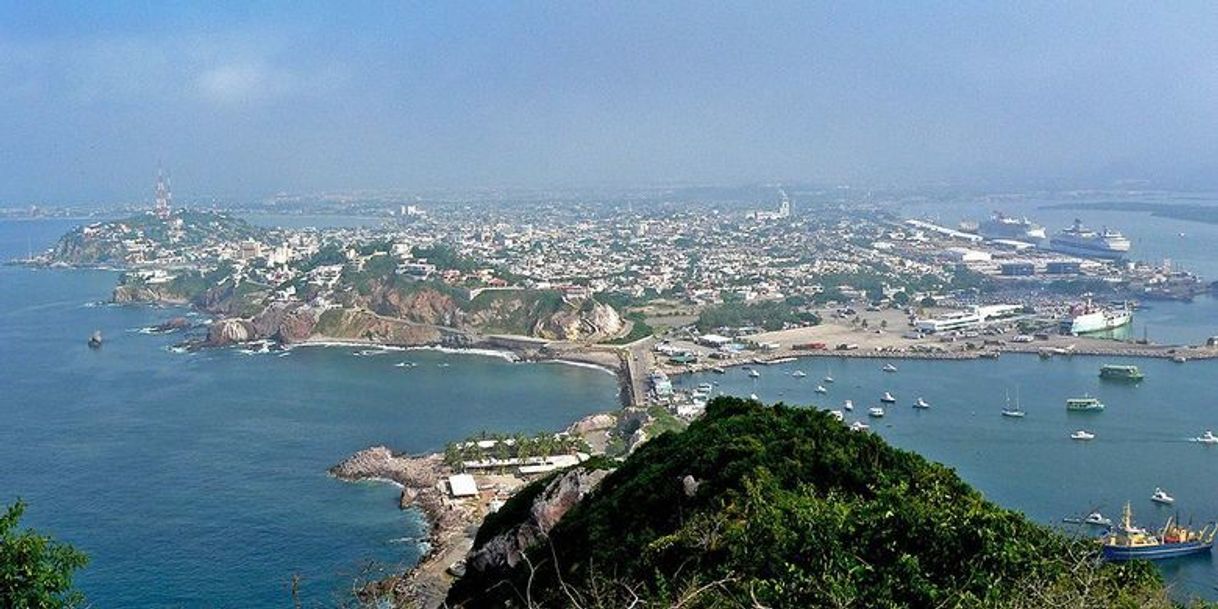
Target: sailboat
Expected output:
[1015,412]
[828,375]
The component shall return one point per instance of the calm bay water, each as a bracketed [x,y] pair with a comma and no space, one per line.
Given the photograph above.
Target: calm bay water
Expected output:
[198,480]
[1031,464]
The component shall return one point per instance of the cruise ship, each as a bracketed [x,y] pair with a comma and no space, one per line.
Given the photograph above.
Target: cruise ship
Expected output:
[1082,241]
[1087,317]
[1001,226]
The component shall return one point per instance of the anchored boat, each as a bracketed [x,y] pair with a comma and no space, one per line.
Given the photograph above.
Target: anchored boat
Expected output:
[1121,372]
[1084,404]
[1128,542]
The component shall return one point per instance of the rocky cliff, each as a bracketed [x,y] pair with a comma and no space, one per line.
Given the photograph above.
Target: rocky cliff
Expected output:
[558,495]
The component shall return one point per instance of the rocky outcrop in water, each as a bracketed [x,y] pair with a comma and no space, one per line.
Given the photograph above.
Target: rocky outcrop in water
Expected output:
[230,332]
[172,324]
[504,551]
[286,322]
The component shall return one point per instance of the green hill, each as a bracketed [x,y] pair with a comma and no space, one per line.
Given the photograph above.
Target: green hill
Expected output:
[791,509]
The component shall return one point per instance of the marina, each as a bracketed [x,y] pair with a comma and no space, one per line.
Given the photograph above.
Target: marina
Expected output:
[1019,462]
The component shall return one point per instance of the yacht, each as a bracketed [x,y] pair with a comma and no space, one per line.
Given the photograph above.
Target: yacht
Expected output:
[848,406]
[1097,519]
[887,398]
[921,403]
[753,373]
[1094,519]
[889,368]
[859,426]
[875,411]
[1082,434]
[1161,496]
[1016,412]
[1206,438]
[821,389]
[799,374]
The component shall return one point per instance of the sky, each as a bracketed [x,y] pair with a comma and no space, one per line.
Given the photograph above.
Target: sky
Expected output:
[242,100]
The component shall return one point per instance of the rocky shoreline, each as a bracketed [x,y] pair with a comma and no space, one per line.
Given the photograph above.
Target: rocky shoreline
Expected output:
[454,522]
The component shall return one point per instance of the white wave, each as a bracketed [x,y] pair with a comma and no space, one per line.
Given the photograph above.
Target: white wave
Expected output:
[506,355]
[589,365]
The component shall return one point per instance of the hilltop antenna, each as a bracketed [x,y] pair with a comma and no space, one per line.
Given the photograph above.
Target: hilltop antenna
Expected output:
[164,197]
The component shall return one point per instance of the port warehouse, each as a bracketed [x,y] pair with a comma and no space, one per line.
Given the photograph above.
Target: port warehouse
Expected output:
[973,319]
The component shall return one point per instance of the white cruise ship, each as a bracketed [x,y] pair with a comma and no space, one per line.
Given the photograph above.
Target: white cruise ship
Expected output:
[1001,226]
[1082,241]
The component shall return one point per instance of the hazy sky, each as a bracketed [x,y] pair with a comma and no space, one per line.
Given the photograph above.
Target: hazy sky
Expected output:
[249,100]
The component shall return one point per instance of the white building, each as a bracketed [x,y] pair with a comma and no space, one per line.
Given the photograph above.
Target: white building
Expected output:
[462,485]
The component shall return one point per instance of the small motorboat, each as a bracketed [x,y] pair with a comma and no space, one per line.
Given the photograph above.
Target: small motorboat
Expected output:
[859,426]
[848,406]
[875,411]
[1097,519]
[1206,438]
[821,389]
[887,398]
[1082,434]
[921,403]
[889,368]
[753,396]
[95,340]
[719,370]
[837,414]
[827,379]
[1094,519]
[799,374]
[1161,496]
[753,373]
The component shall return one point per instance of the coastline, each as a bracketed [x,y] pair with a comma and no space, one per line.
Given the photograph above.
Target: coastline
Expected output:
[452,522]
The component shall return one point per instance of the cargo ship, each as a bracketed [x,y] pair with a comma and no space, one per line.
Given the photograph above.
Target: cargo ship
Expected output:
[1001,226]
[1128,542]
[1082,241]
[1087,317]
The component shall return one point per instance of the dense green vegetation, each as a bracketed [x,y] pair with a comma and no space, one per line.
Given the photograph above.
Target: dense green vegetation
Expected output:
[35,571]
[791,509]
[511,447]
[770,315]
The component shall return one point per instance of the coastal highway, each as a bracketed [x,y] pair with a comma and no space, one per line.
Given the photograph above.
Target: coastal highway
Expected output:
[639,363]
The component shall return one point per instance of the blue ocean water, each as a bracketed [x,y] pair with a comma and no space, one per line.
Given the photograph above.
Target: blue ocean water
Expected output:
[1143,437]
[198,480]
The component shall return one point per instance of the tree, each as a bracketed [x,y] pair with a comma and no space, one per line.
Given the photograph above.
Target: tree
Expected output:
[35,570]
